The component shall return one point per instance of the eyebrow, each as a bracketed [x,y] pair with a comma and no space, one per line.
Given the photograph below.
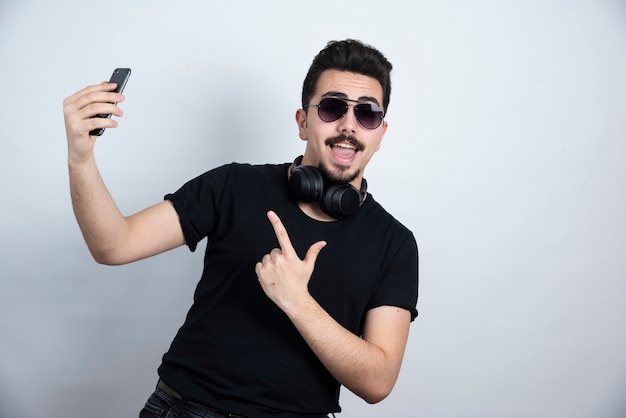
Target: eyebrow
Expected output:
[341,95]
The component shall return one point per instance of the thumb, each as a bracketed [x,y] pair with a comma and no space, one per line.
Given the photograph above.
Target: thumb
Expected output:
[314,250]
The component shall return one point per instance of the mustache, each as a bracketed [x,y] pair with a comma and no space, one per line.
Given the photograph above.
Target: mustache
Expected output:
[345,138]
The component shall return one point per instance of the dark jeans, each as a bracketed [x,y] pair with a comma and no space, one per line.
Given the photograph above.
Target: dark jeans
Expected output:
[163,405]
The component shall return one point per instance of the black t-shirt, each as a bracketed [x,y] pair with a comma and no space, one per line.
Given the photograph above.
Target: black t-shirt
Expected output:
[237,351]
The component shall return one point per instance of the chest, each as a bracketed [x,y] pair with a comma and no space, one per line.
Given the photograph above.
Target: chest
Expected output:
[347,271]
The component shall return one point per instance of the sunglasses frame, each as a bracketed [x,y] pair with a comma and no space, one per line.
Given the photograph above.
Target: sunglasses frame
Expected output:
[347,104]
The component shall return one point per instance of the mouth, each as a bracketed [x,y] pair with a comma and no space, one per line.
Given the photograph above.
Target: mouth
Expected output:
[344,148]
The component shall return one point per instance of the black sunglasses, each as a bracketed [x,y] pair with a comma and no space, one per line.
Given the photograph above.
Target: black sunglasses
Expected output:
[330,109]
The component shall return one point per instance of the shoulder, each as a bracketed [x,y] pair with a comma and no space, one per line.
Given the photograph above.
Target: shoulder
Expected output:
[252,170]
[240,172]
[260,176]
[379,219]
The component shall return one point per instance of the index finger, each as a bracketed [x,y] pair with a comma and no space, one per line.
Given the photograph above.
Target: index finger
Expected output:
[281,233]
[89,91]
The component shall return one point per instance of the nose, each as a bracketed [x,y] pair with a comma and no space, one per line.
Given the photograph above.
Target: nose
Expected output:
[348,122]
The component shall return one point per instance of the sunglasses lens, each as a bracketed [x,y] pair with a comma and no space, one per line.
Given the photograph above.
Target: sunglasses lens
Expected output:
[331,109]
[369,115]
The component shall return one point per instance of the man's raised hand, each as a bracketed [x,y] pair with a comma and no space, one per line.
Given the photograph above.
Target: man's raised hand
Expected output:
[284,277]
[79,110]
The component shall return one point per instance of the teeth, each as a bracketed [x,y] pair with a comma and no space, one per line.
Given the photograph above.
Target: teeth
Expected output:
[348,146]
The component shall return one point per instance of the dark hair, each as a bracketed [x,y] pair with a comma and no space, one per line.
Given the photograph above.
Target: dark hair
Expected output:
[353,56]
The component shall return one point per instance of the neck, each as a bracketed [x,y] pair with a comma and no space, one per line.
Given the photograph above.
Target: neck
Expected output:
[313,210]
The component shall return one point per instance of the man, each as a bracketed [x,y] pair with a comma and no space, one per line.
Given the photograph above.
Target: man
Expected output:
[308,284]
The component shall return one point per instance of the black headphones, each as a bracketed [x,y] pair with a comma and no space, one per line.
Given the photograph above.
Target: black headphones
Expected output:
[306,184]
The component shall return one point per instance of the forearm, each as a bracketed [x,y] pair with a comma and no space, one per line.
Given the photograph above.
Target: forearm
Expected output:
[364,368]
[100,221]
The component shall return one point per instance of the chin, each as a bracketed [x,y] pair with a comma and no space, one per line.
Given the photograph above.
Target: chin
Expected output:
[339,174]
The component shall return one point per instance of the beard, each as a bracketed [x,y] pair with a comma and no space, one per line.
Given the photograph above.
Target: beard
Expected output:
[338,173]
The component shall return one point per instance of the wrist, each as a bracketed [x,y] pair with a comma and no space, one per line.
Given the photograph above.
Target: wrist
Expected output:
[76,158]
[300,308]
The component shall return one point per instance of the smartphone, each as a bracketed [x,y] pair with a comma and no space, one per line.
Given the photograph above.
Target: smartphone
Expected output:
[120,77]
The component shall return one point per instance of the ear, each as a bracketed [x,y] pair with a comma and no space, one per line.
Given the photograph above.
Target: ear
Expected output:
[301,121]
[382,134]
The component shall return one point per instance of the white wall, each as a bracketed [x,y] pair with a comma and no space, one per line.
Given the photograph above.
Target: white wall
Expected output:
[504,156]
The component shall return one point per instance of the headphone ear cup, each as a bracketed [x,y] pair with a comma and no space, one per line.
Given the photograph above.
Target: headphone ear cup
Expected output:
[306,183]
[341,201]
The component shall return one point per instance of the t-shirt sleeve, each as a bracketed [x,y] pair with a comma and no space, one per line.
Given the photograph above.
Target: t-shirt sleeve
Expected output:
[399,284]
[196,203]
